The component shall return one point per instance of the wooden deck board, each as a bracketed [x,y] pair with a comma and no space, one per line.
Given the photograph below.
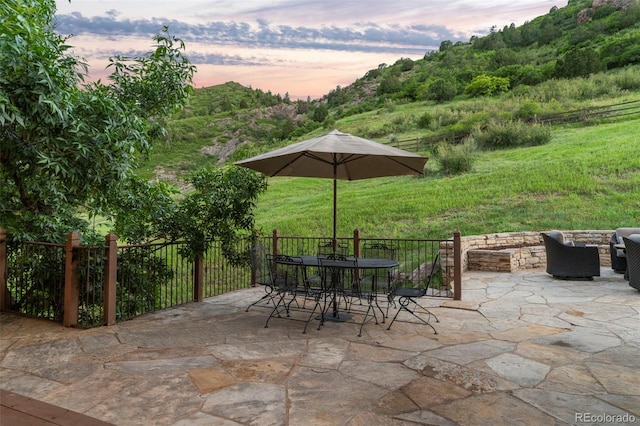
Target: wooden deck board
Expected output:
[18,410]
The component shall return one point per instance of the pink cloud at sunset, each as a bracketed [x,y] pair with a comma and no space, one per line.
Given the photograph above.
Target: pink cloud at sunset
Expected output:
[299,47]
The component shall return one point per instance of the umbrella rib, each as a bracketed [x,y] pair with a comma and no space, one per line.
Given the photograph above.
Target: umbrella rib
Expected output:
[302,154]
[406,165]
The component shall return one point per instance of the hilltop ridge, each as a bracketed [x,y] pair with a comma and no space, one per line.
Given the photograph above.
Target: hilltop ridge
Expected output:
[512,71]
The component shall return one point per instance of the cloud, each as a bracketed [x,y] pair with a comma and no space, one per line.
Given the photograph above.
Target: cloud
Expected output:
[367,38]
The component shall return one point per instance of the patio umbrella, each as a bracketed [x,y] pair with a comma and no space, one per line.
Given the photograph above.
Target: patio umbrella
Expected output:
[337,155]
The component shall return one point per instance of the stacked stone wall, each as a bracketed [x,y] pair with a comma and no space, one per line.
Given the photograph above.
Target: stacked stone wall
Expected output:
[512,251]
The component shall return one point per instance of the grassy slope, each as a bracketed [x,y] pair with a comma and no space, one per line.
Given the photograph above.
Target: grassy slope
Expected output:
[585,178]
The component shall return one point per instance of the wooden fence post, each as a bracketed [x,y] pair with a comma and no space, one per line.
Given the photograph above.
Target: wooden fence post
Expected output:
[457,266]
[198,278]
[356,242]
[71,290]
[5,297]
[276,243]
[110,279]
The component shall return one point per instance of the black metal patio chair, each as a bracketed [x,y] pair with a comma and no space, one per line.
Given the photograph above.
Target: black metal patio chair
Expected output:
[285,273]
[260,272]
[409,299]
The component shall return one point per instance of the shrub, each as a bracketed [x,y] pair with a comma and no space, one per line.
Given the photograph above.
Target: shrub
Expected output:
[441,90]
[485,85]
[424,120]
[468,121]
[528,109]
[627,79]
[510,134]
[455,159]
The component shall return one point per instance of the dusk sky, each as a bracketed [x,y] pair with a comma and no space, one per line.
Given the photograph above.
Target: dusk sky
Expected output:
[300,47]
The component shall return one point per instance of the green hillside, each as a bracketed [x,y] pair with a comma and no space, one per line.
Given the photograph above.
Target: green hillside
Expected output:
[586,176]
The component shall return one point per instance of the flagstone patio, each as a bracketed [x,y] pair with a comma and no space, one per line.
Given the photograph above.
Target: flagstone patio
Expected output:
[520,348]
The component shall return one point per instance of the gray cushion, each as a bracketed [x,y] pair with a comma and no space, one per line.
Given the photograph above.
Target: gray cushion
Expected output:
[634,237]
[625,232]
[557,235]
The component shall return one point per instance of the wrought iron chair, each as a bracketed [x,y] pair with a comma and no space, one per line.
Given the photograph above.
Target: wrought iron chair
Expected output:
[260,272]
[339,283]
[632,248]
[408,299]
[285,272]
[325,248]
[371,280]
[568,261]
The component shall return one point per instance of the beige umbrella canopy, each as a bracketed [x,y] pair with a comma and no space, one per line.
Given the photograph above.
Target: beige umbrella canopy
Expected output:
[337,155]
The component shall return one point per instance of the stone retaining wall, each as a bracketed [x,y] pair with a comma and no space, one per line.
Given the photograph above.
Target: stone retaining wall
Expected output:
[511,251]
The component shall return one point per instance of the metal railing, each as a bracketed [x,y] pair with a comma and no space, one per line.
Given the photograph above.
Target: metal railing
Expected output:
[35,273]
[88,286]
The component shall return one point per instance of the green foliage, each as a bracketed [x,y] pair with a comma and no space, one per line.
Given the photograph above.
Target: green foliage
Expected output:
[441,90]
[528,109]
[220,209]
[146,276]
[405,64]
[424,120]
[320,113]
[511,134]
[621,51]
[578,63]
[67,145]
[388,85]
[485,85]
[455,159]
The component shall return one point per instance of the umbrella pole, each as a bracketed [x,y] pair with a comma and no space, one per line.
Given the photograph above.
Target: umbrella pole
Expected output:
[335,198]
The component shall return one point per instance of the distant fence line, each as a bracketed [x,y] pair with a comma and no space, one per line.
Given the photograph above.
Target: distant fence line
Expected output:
[89,286]
[586,114]
[590,113]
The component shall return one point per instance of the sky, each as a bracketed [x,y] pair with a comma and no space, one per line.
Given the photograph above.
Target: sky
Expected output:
[299,48]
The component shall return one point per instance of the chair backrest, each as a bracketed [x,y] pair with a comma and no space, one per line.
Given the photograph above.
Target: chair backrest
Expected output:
[556,235]
[378,250]
[335,269]
[326,248]
[632,250]
[259,265]
[435,268]
[284,270]
[625,232]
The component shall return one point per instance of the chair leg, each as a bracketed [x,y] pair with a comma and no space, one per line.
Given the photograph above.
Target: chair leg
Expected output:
[268,295]
[371,309]
[276,310]
[317,298]
[405,302]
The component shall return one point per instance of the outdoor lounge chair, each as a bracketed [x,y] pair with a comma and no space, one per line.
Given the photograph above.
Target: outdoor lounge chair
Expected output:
[632,247]
[618,256]
[566,260]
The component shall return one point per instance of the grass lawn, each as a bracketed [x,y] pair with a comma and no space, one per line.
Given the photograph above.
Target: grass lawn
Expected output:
[585,178]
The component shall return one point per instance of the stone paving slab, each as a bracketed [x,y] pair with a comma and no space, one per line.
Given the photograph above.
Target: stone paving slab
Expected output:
[521,348]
